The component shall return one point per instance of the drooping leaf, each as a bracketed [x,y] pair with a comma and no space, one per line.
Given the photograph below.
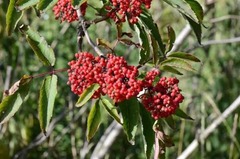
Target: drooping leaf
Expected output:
[39,45]
[12,102]
[177,63]
[12,17]
[143,39]
[184,56]
[182,114]
[24,4]
[147,131]
[171,38]
[197,9]
[87,94]
[183,7]
[155,49]
[197,29]
[104,43]
[130,114]
[46,4]
[94,120]
[147,20]
[47,97]
[111,109]
[170,69]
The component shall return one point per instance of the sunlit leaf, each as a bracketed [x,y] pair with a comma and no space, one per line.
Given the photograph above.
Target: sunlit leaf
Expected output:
[184,56]
[182,114]
[87,94]
[12,17]
[39,45]
[24,4]
[130,114]
[104,43]
[47,97]
[77,2]
[11,103]
[196,8]
[143,39]
[111,109]
[94,120]
[147,20]
[147,130]
[178,63]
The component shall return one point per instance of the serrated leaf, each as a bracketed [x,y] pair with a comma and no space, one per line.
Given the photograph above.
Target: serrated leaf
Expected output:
[197,29]
[183,7]
[111,109]
[182,114]
[170,122]
[46,4]
[184,56]
[12,17]
[147,20]
[87,94]
[11,103]
[39,45]
[130,114]
[46,101]
[143,39]
[94,120]
[170,69]
[24,4]
[196,8]
[177,63]
[171,38]
[147,131]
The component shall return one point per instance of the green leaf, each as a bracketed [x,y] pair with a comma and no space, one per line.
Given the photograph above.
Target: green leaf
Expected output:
[182,114]
[170,122]
[111,109]
[196,28]
[147,20]
[177,63]
[94,120]
[170,69]
[171,38]
[12,17]
[12,102]
[184,56]
[77,2]
[196,8]
[24,4]
[183,7]
[39,45]
[47,97]
[143,39]
[130,113]
[155,49]
[87,94]
[46,4]
[104,43]
[147,130]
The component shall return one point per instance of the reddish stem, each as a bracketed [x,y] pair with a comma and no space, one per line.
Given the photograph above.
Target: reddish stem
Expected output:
[51,73]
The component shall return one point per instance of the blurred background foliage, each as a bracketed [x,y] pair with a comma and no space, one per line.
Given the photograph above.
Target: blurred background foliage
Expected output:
[208,91]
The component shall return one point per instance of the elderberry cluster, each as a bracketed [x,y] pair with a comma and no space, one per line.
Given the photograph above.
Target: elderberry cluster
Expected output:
[162,99]
[118,10]
[64,10]
[116,78]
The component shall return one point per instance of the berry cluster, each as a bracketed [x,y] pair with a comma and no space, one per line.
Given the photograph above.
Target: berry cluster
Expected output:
[64,10]
[120,9]
[116,78]
[162,99]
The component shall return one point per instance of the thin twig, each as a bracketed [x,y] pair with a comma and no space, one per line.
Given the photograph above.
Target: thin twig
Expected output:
[83,25]
[187,152]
